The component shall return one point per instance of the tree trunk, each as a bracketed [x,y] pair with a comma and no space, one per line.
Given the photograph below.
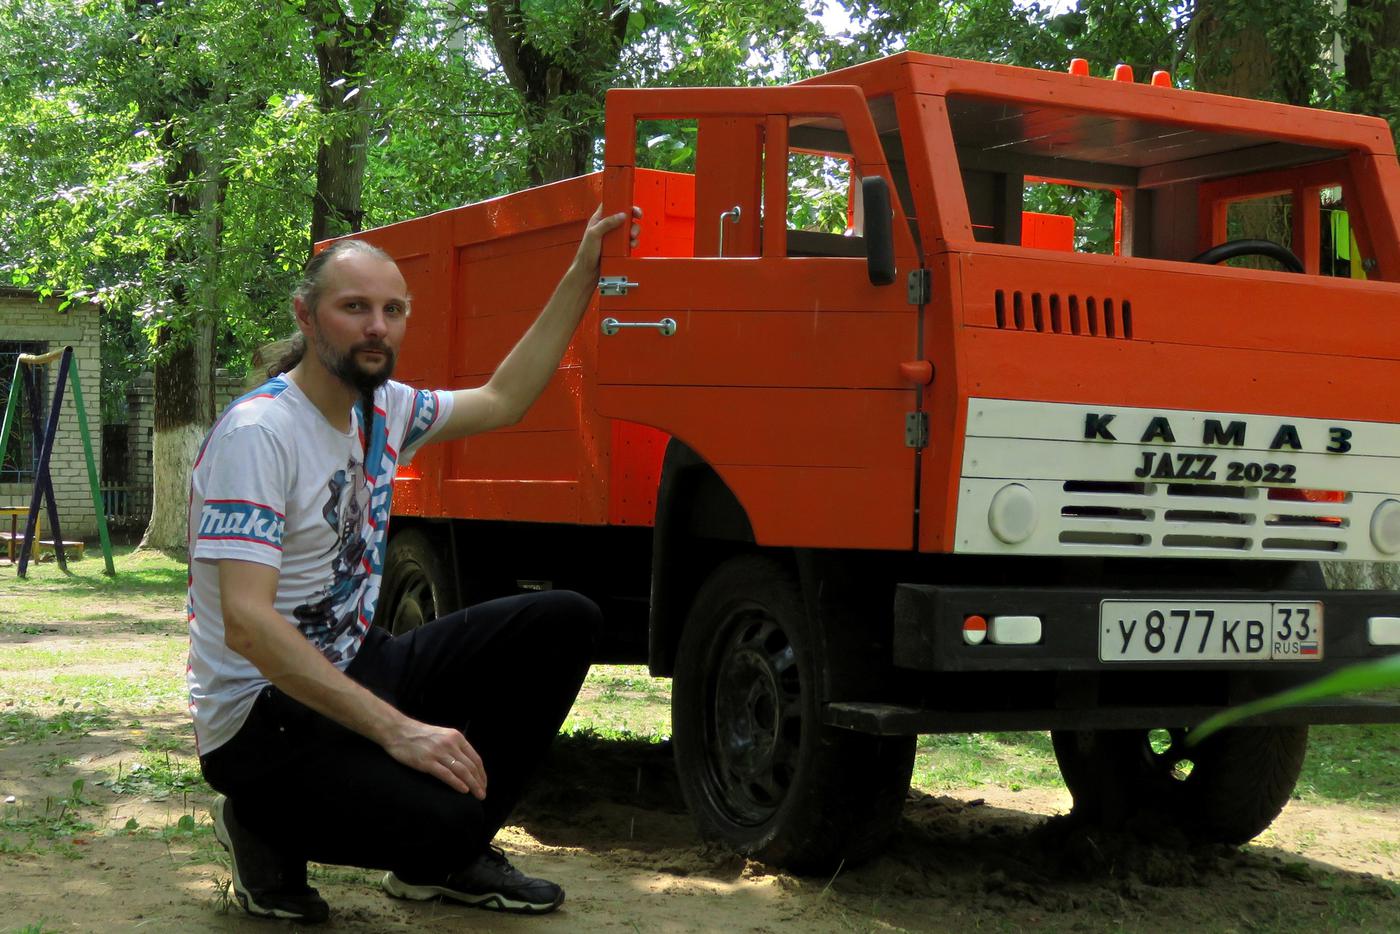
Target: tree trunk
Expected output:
[343,49]
[560,97]
[1373,58]
[184,370]
[1230,58]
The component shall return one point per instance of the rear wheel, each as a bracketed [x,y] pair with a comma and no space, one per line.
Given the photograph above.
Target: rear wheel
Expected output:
[417,586]
[760,771]
[1226,790]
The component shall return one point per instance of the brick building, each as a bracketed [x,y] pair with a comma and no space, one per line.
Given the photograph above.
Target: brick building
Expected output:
[29,325]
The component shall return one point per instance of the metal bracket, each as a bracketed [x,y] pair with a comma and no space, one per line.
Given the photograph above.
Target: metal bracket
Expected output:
[920,286]
[615,285]
[916,430]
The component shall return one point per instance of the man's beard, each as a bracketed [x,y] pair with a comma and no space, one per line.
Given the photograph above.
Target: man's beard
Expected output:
[345,368]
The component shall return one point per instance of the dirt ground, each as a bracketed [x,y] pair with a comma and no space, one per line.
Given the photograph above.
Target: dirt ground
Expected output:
[608,824]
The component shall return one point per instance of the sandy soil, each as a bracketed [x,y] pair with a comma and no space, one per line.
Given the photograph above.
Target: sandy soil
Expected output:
[607,822]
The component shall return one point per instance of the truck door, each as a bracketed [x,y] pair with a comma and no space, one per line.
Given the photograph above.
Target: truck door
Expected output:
[767,349]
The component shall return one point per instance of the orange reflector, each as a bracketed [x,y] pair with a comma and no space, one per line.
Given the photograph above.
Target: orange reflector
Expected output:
[1123,73]
[1079,66]
[1161,79]
[974,630]
[917,371]
[1308,496]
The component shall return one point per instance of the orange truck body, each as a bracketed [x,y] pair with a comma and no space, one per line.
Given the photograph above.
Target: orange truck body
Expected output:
[785,372]
[1008,412]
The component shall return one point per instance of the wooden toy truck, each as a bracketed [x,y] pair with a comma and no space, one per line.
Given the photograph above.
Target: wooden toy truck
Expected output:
[949,469]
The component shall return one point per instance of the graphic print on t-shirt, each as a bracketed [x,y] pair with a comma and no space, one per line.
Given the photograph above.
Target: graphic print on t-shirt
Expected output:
[332,622]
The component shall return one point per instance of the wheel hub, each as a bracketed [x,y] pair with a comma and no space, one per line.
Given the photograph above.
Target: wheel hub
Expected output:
[757,719]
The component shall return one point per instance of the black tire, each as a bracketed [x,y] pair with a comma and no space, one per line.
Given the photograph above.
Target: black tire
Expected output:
[759,770]
[417,586]
[1237,782]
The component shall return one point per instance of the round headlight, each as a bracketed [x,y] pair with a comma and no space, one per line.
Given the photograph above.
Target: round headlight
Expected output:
[1013,514]
[1385,527]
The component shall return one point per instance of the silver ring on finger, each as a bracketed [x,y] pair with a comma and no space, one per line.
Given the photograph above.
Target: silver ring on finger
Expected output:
[451,763]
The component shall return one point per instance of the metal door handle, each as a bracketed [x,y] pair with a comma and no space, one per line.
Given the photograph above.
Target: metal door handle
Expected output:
[667,326]
[733,214]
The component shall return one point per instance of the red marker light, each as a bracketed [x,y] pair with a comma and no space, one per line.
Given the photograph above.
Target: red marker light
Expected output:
[1123,73]
[1079,66]
[1161,79]
[974,630]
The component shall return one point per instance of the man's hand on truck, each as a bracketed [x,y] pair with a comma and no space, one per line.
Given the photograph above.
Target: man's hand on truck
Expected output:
[527,369]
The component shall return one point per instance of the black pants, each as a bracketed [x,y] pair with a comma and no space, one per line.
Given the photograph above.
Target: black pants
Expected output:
[504,672]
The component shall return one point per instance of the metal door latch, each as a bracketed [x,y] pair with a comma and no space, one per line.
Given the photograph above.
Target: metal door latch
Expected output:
[666,326]
[615,285]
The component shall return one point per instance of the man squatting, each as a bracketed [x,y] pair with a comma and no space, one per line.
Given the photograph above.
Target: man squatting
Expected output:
[326,738]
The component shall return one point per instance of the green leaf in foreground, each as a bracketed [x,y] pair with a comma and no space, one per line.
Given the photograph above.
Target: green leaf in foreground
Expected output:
[1354,679]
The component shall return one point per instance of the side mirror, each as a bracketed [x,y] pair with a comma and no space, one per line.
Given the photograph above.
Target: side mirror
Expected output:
[879,229]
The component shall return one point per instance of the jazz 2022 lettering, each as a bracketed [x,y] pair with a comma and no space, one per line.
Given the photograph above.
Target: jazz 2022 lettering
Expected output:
[1168,466]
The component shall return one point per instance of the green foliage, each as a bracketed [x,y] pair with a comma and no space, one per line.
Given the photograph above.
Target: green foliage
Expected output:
[1354,679]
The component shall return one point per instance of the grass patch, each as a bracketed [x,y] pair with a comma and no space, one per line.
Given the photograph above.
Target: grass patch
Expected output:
[1353,764]
[48,594]
[68,653]
[1010,760]
[22,725]
[622,701]
[158,775]
[59,823]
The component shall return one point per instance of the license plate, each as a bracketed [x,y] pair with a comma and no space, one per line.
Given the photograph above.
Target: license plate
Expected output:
[1219,631]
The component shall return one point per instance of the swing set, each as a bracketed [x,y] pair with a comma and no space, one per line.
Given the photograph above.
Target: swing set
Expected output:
[28,374]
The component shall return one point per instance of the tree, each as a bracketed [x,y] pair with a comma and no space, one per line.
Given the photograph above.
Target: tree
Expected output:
[345,47]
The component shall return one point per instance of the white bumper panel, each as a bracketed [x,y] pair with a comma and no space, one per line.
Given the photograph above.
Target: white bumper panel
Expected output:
[1108,480]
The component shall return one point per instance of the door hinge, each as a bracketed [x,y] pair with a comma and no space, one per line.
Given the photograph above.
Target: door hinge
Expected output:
[916,430]
[615,285]
[920,286]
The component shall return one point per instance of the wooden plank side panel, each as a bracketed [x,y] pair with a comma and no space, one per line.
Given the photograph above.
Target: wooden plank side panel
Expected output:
[812,467]
[1011,365]
[793,348]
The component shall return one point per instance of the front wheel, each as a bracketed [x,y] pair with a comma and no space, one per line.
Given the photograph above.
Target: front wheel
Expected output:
[1226,790]
[760,771]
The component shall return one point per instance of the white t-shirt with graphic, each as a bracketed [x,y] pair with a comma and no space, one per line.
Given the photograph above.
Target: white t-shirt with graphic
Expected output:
[275,483]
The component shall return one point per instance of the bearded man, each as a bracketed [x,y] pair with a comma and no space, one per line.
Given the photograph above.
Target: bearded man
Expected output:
[328,739]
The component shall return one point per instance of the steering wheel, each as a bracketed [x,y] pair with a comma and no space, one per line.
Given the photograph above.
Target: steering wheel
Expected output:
[1267,248]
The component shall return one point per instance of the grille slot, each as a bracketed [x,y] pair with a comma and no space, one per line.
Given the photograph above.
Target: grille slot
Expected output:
[1226,542]
[1054,313]
[1105,538]
[1302,544]
[1208,516]
[1106,512]
[1105,486]
[1315,522]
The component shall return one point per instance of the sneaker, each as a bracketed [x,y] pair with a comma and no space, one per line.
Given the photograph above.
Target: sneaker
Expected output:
[266,884]
[491,882]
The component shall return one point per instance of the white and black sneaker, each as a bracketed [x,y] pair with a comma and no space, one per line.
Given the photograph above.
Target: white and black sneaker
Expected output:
[491,883]
[266,884]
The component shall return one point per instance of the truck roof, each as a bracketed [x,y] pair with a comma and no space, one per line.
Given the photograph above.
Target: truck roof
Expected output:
[1041,112]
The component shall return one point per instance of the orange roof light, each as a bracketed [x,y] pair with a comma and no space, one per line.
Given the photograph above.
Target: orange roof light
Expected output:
[1161,79]
[1079,66]
[1123,73]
